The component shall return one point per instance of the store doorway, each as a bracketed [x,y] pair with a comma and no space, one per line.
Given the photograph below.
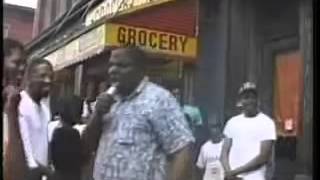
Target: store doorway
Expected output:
[288,95]
[287,109]
[287,101]
[281,89]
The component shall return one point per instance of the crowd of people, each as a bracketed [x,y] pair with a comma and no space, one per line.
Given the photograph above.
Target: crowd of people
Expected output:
[135,130]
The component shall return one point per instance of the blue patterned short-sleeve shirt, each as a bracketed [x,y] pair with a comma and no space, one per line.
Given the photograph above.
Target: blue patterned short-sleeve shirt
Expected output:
[146,127]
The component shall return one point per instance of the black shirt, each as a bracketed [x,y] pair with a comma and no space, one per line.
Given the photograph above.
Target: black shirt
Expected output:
[66,149]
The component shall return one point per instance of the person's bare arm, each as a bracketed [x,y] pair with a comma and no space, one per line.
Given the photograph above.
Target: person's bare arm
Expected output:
[15,166]
[200,164]
[12,97]
[91,135]
[173,135]
[181,163]
[200,172]
[11,109]
[225,154]
[257,162]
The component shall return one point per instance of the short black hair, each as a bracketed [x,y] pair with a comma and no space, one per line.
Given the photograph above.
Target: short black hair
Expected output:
[136,53]
[70,108]
[35,62]
[9,44]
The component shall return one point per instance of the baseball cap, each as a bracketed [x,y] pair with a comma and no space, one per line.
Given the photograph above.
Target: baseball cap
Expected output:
[248,86]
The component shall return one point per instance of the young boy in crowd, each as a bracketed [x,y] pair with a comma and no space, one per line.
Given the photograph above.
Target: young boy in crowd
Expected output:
[65,142]
[209,158]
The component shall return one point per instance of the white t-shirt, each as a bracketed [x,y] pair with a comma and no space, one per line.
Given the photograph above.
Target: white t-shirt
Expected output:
[247,135]
[33,121]
[209,159]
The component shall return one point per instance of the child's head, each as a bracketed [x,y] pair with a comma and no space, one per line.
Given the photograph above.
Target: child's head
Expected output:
[215,131]
[70,109]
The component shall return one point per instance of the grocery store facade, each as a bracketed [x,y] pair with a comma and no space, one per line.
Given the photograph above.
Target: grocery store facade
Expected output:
[168,37]
[202,51]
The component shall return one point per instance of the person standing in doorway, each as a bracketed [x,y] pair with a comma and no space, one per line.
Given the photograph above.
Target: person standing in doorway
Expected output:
[35,116]
[88,103]
[14,166]
[252,135]
[138,127]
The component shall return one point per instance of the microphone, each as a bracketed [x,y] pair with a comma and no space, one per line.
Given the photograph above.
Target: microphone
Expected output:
[112,90]
[106,99]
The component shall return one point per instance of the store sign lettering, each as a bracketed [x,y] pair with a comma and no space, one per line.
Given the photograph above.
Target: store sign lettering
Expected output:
[151,40]
[162,41]
[112,7]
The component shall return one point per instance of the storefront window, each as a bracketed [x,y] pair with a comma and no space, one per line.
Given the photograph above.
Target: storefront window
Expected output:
[288,93]
[167,74]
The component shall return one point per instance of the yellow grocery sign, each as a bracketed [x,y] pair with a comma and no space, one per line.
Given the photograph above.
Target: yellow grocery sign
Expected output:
[115,35]
[151,40]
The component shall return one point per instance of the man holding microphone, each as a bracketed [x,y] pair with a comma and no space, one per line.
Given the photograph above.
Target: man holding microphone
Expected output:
[138,129]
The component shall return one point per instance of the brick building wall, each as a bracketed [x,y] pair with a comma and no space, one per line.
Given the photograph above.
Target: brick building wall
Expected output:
[18,22]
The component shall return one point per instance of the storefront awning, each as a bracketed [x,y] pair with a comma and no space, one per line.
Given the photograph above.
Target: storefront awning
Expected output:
[112,35]
[112,8]
[81,48]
